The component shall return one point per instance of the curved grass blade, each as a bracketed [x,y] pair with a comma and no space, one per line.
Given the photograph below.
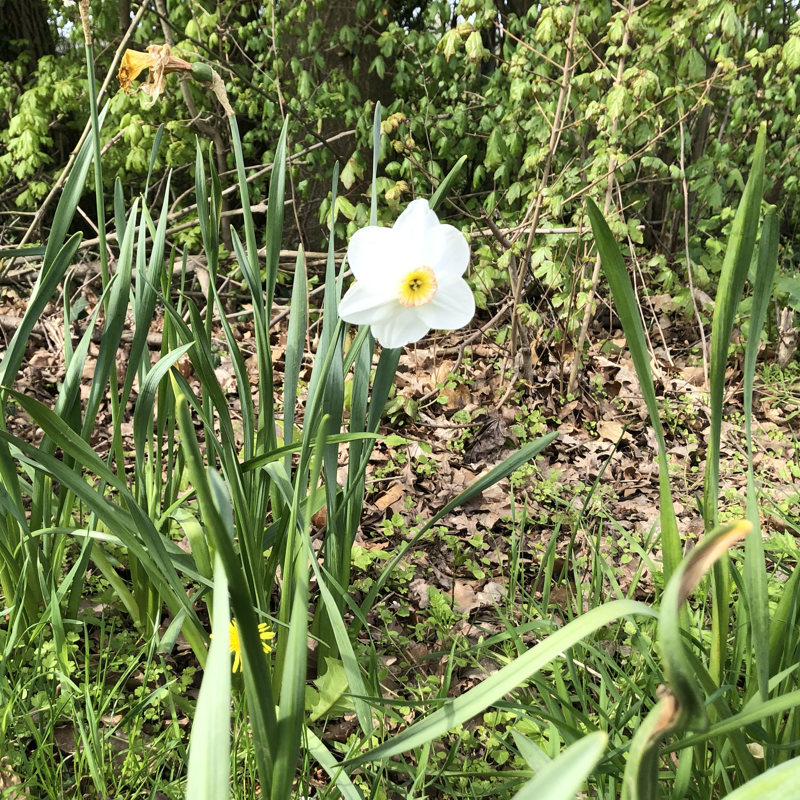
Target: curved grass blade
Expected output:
[778,783]
[502,470]
[628,312]
[640,781]
[755,569]
[670,637]
[457,711]
[563,777]
[681,703]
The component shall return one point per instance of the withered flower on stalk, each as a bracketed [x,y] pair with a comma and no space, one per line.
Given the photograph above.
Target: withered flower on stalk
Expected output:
[158,60]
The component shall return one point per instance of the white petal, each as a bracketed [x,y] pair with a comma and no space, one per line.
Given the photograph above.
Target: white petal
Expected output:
[400,328]
[374,254]
[453,305]
[364,302]
[427,241]
[447,251]
[416,219]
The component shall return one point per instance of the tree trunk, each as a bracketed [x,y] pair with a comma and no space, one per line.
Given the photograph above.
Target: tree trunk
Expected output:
[124,15]
[24,26]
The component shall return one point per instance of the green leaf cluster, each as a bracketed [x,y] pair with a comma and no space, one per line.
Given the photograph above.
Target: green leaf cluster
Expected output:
[653,94]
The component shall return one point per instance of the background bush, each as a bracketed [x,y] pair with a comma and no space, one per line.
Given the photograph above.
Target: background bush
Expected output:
[641,96]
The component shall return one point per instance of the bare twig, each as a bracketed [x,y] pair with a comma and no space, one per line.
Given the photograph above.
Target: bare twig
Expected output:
[612,166]
[535,208]
[685,188]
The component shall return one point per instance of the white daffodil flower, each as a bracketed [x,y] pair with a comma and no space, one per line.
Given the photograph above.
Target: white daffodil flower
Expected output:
[408,278]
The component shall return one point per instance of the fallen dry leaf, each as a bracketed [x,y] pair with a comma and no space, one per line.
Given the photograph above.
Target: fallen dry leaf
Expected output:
[8,780]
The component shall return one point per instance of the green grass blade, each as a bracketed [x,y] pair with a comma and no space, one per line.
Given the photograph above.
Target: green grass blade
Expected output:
[266,422]
[359,393]
[153,156]
[640,780]
[244,193]
[329,338]
[382,385]
[755,568]
[502,470]
[295,347]
[778,783]
[145,299]
[682,703]
[274,222]
[350,662]
[291,711]
[119,209]
[677,669]
[145,403]
[457,711]
[52,273]
[116,313]
[209,770]
[447,183]
[784,622]
[563,777]
[735,266]
[376,148]
[70,198]
[208,230]
[320,753]
[628,311]
[100,201]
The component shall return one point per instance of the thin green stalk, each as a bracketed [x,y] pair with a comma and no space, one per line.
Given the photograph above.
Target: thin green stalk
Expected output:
[738,256]
[100,201]
[217,515]
[755,569]
[628,311]
[326,389]
[294,652]
[736,264]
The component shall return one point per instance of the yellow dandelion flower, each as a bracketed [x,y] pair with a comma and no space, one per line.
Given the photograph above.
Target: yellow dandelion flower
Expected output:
[158,60]
[236,646]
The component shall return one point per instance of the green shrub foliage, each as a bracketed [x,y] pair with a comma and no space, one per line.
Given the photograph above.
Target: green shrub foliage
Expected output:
[548,103]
